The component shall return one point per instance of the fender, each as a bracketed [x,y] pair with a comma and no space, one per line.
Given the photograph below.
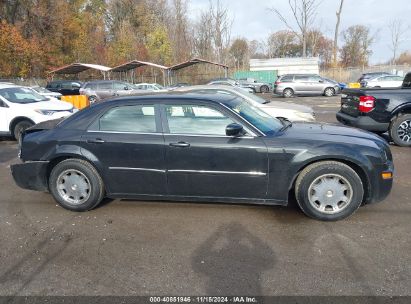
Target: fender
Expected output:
[404,107]
[19,118]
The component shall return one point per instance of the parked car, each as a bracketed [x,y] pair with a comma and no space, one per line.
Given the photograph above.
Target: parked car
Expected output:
[203,147]
[342,85]
[65,87]
[178,85]
[292,112]
[305,84]
[150,87]
[46,93]
[366,76]
[22,107]
[258,87]
[231,83]
[386,81]
[98,90]
[380,110]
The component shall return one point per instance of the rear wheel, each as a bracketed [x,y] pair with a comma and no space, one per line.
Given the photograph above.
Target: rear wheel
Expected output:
[329,92]
[287,93]
[76,185]
[400,130]
[329,191]
[19,128]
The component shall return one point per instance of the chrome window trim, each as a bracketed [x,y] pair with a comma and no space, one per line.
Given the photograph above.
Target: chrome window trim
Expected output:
[219,172]
[123,132]
[253,173]
[171,134]
[137,169]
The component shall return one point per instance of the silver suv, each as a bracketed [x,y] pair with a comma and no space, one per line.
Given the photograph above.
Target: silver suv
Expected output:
[102,89]
[305,84]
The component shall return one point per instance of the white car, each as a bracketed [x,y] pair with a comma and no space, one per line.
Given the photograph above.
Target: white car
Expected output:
[292,112]
[22,107]
[385,81]
[150,87]
[44,92]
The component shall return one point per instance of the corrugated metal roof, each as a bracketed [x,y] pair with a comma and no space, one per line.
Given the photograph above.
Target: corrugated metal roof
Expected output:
[136,64]
[76,68]
[195,61]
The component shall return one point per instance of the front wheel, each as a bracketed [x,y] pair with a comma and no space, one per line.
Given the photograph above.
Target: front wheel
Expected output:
[76,185]
[329,191]
[20,128]
[400,130]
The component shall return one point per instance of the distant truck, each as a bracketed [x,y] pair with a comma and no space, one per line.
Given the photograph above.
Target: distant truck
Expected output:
[380,110]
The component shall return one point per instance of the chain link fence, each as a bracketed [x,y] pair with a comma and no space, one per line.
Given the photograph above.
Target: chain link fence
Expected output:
[352,74]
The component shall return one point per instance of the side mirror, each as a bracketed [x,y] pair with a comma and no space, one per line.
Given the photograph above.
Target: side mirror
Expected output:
[321,81]
[234,129]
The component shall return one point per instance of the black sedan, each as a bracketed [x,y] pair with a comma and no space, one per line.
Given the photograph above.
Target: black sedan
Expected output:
[203,147]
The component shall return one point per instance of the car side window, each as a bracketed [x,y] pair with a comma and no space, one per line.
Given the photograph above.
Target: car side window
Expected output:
[196,120]
[119,86]
[133,119]
[301,78]
[105,86]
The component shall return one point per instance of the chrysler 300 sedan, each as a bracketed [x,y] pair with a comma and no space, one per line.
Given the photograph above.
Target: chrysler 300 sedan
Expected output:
[204,148]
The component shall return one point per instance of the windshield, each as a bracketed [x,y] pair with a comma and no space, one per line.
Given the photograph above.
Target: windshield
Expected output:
[41,90]
[21,95]
[258,118]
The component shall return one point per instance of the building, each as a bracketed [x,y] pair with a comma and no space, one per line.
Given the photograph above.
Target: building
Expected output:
[309,65]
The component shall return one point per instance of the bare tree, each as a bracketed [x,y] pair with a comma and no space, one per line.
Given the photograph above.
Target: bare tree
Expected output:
[222,30]
[304,14]
[397,32]
[336,33]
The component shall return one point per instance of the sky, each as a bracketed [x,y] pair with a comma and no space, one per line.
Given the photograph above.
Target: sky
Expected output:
[252,19]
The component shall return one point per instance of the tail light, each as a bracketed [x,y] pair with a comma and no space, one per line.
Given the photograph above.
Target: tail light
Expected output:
[367,104]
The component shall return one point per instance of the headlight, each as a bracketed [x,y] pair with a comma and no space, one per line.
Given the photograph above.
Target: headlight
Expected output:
[45,112]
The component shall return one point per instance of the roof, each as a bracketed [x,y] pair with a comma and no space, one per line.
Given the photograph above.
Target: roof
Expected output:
[136,64]
[195,61]
[76,68]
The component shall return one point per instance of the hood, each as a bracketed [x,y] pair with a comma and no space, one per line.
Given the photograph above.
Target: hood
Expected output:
[330,131]
[288,106]
[53,105]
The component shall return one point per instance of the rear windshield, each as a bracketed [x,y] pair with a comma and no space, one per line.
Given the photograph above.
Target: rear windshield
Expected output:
[21,95]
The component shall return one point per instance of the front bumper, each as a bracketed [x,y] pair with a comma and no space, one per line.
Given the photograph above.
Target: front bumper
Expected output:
[380,188]
[362,122]
[31,175]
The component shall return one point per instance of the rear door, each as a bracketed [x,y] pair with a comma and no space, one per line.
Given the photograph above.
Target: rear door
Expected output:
[128,143]
[203,162]
[302,84]
[105,89]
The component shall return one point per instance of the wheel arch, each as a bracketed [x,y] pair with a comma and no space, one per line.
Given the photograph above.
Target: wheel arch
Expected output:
[16,120]
[406,109]
[349,162]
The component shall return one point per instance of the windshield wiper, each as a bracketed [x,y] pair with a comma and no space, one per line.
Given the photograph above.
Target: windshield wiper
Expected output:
[286,123]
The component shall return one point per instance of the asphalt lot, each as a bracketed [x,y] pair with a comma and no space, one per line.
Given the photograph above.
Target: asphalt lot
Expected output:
[156,248]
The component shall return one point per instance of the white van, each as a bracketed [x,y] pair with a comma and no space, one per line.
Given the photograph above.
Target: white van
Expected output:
[22,107]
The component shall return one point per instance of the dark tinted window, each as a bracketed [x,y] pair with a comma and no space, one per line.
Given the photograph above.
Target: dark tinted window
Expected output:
[301,78]
[138,119]
[407,81]
[105,86]
[287,78]
[201,120]
[91,86]
[53,85]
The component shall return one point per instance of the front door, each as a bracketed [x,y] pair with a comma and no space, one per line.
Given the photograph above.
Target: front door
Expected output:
[203,162]
[129,146]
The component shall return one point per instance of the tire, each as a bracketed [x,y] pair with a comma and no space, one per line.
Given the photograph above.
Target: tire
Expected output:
[337,178]
[19,128]
[92,99]
[329,92]
[264,89]
[76,185]
[287,93]
[400,130]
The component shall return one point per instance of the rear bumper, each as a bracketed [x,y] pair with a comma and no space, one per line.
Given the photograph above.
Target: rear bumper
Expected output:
[362,122]
[31,175]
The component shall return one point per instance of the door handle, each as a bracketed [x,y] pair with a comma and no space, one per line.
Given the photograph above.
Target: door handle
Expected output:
[95,141]
[180,145]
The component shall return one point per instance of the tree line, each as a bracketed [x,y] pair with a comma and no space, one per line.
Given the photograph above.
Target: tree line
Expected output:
[37,35]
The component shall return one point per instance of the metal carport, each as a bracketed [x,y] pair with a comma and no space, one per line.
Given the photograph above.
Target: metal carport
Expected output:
[76,68]
[135,64]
